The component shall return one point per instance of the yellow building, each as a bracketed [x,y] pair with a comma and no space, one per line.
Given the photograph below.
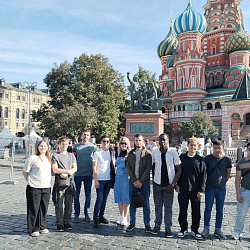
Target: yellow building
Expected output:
[14,106]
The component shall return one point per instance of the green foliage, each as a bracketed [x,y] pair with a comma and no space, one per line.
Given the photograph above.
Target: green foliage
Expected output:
[145,76]
[199,125]
[92,83]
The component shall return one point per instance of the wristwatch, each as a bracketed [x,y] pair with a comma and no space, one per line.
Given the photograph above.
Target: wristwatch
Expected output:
[173,185]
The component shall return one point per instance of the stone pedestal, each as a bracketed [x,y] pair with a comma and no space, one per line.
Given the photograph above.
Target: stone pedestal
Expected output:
[148,123]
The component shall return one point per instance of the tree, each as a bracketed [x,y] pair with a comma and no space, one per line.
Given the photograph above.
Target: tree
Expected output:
[92,82]
[199,126]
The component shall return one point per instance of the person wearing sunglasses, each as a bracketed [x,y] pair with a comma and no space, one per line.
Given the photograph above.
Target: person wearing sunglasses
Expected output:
[242,186]
[102,175]
[121,188]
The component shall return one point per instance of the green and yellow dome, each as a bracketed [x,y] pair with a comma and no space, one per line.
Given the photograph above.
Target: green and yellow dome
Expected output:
[167,46]
[240,40]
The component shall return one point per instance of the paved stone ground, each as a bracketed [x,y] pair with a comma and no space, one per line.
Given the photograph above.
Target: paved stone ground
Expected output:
[13,232]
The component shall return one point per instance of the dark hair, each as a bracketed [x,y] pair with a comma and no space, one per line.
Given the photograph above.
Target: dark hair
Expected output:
[47,154]
[86,130]
[138,135]
[163,135]
[104,136]
[248,144]
[63,139]
[219,143]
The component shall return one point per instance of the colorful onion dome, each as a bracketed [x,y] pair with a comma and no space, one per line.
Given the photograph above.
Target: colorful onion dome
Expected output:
[240,40]
[170,43]
[170,60]
[190,20]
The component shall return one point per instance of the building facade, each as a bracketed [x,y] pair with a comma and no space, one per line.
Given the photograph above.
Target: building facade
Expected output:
[14,106]
[204,58]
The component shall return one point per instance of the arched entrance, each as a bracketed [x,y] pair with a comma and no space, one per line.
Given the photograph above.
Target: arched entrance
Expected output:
[218,126]
[247,118]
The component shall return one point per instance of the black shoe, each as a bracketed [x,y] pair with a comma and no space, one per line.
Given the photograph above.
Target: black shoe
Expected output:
[168,233]
[148,229]
[103,220]
[87,218]
[130,228]
[95,223]
[156,230]
[60,228]
[67,226]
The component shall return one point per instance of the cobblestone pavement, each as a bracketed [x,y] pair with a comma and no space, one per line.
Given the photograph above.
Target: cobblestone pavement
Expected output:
[13,232]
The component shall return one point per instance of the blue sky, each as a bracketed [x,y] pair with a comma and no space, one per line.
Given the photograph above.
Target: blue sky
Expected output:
[35,34]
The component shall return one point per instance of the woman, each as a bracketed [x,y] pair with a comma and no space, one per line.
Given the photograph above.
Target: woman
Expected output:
[121,187]
[37,173]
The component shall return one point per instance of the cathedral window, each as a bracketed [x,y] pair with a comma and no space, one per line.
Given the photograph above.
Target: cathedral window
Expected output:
[17,113]
[235,60]
[183,107]
[211,79]
[182,82]
[23,114]
[184,46]
[0,111]
[213,50]
[218,77]
[174,108]
[192,45]
[209,106]
[189,107]
[217,105]
[196,107]
[179,107]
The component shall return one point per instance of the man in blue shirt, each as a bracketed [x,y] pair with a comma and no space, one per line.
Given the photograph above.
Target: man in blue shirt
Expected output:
[84,153]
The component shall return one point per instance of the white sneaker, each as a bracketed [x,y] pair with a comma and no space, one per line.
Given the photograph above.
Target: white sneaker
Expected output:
[44,231]
[124,221]
[35,234]
[119,222]
[236,236]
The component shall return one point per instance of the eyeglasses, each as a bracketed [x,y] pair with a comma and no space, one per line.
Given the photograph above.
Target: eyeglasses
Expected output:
[105,141]
[123,143]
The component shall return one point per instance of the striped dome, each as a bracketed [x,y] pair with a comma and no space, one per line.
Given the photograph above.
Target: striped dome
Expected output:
[170,60]
[190,20]
[167,46]
[240,40]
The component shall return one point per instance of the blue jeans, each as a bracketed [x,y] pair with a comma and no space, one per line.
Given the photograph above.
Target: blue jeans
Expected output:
[87,181]
[219,196]
[146,210]
[242,209]
[160,199]
[101,198]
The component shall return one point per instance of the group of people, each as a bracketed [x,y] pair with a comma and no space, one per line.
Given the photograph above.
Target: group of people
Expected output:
[128,171]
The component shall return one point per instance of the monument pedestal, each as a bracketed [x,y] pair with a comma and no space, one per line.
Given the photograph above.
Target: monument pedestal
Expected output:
[148,123]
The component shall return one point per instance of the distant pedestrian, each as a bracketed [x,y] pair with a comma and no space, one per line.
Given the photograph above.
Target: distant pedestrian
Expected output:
[121,188]
[84,152]
[218,173]
[242,186]
[147,145]
[191,187]
[37,173]
[64,166]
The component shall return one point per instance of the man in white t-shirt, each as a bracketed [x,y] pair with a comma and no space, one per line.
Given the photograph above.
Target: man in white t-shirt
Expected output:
[101,172]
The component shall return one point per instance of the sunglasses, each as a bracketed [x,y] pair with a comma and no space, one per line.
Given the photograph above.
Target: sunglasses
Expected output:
[123,143]
[105,141]
[248,149]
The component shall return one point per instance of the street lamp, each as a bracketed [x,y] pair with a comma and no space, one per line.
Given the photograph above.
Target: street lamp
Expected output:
[29,86]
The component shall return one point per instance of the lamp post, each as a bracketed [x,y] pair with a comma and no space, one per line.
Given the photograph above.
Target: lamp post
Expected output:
[29,86]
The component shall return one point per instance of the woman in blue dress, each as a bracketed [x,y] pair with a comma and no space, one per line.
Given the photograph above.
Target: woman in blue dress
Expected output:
[121,187]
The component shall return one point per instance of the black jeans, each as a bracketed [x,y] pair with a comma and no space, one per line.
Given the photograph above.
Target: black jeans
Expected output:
[37,207]
[183,200]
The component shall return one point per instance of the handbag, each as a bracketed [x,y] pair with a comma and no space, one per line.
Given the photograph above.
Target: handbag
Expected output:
[138,200]
[64,182]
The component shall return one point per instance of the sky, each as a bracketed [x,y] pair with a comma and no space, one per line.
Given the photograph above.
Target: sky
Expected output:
[36,34]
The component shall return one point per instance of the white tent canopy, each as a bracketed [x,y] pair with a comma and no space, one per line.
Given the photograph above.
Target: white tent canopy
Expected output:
[33,135]
[5,137]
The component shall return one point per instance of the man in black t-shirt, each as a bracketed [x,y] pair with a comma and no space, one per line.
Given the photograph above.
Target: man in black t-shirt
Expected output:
[191,186]
[218,173]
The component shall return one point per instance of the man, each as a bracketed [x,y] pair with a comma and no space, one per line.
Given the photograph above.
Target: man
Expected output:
[64,166]
[102,176]
[167,171]
[242,186]
[84,155]
[191,186]
[147,145]
[218,173]
[139,164]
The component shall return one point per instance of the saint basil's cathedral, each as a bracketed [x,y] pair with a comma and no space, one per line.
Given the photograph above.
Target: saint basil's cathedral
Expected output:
[205,68]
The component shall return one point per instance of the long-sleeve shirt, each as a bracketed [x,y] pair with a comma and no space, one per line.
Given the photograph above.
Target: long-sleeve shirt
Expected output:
[193,174]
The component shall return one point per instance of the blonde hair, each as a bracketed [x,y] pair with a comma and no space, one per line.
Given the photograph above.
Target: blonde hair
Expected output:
[125,139]
[193,140]
[47,154]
